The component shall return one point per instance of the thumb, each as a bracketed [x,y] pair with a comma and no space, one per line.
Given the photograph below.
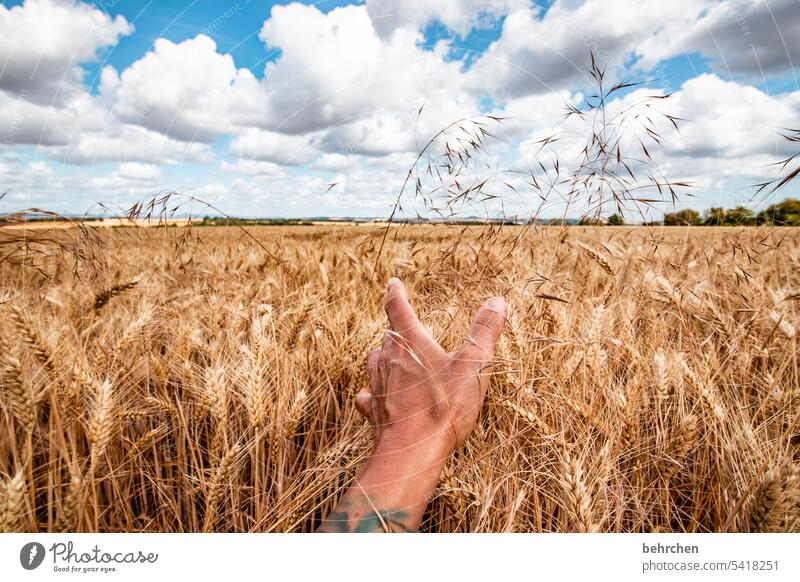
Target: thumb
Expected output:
[486,329]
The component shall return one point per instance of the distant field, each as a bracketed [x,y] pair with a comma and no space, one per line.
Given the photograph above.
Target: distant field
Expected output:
[648,379]
[154,223]
[100,223]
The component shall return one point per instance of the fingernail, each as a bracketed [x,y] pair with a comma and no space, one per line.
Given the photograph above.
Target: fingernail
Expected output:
[392,281]
[498,304]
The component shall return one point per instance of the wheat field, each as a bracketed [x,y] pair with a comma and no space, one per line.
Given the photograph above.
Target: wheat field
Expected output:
[192,380]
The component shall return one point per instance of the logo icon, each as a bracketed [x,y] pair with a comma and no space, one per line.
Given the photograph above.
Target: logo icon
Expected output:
[31,555]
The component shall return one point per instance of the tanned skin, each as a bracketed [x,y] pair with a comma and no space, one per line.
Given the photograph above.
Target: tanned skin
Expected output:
[422,403]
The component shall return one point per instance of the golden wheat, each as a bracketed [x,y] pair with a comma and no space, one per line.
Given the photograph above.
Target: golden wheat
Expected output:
[647,380]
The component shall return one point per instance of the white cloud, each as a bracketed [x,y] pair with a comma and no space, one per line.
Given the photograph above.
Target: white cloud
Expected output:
[43,42]
[342,98]
[139,171]
[256,144]
[187,91]
[728,139]
[28,123]
[377,133]
[340,70]
[537,54]
[252,168]
[336,162]
[753,37]
[460,16]
[732,128]
[130,143]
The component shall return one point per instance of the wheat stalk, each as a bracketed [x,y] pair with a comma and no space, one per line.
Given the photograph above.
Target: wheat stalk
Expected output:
[578,497]
[219,482]
[102,298]
[20,398]
[596,257]
[102,425]
[766,501]
[294,415]
[12,504]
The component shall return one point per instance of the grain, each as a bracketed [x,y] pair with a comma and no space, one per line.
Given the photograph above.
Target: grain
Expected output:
[219,395]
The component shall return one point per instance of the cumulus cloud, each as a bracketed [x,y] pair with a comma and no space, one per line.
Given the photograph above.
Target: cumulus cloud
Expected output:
[377,133]
[25,122]
[336,162]
[756,38]
[340,69]
[537,54]
[139,171]
[728,135]
[43,42]
[732,128]
[187,91]
[459,16]
[342,99]
[257,144]
[129,142]
[252,168]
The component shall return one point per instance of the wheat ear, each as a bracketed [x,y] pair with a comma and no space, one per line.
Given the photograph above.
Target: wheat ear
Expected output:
[12,504]
[220,480]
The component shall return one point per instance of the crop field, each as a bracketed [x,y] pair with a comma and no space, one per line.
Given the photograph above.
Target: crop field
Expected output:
[182,380]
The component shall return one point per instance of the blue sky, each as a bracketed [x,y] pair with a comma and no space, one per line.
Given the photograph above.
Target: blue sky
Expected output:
[258,106]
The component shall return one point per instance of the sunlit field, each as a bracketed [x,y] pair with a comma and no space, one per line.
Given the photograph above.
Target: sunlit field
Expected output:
[184,380]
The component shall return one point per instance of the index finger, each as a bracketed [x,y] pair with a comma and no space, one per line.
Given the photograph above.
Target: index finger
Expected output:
[401,315]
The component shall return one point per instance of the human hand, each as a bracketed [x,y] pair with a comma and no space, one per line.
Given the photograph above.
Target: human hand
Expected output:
[420,395]
[422,403]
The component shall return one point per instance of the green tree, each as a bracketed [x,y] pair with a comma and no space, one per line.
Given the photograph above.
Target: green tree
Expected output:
[739,216]
[786,213]
[615,220]
[686,217]
[715,216]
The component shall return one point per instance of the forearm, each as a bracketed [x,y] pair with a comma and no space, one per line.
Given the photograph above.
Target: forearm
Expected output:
[391,491]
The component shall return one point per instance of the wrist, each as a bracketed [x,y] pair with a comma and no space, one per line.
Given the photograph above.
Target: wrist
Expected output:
[415,441]
[419,462]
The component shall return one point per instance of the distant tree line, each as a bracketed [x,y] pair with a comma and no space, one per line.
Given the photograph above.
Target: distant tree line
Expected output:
[786,213]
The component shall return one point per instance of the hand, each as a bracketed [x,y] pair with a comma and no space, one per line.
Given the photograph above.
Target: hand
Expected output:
[419,394]
[422,403]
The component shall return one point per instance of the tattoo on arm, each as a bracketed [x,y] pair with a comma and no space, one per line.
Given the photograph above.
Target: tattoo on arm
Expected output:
[358,516]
